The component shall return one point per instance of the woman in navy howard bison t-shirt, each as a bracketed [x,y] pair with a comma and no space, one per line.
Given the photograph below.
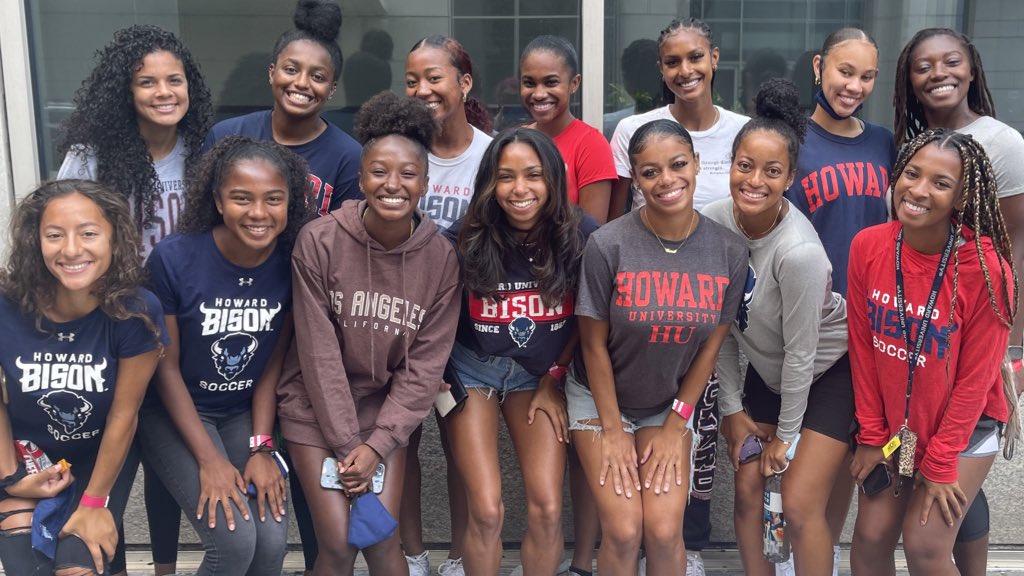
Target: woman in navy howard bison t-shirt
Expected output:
[225,286]
[79,345]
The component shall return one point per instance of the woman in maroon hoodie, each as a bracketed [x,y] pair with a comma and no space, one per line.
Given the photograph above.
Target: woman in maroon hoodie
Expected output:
[376,302]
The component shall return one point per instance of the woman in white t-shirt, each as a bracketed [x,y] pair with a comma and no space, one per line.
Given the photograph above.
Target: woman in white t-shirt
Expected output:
[687,59]
[139,122]
[439,72]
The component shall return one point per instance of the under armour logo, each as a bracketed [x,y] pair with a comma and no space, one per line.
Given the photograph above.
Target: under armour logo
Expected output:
[245,281]
[62,337]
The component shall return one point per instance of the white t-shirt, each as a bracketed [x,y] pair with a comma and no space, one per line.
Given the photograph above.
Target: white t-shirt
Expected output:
[714,146]
[170,170]
[1004,147]
[450,182]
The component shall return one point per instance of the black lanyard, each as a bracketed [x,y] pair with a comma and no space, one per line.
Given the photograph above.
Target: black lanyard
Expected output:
[926,318]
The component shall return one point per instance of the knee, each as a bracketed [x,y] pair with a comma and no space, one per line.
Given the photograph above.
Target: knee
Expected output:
[871,541]
[74,571]
[749,498]
[921,548]
[624,533]
[335,553]
[801,512]
[487,515]
[662,532]
[545,514]
[231,547]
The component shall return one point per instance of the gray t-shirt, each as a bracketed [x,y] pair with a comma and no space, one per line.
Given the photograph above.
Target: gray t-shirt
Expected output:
[660,307]
[1005,149]
[170,170]
[791,326]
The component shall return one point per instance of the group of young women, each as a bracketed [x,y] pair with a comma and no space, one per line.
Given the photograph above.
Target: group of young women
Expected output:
[304,298]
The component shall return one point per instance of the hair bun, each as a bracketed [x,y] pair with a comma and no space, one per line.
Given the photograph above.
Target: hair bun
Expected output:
[779,99]
[320,18]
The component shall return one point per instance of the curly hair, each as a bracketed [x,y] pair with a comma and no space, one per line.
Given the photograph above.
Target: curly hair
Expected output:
[388,114]
[200,213]
[104,123]
[476,112]
[909,118]
[777,107]
[555,243]
[26,280]
[318,21]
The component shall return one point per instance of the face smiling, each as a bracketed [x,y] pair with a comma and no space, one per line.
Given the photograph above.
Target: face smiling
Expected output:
[160,91]
[666,172]
[302,79]
[940,73]
[760,173]
[849,74]
[253,200]
[545,86]
[76,241]
[430,76]
[687,63]
[520,188]
[928,189]
[393,176]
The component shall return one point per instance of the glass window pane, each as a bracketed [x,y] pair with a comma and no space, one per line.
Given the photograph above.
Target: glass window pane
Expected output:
[548,7]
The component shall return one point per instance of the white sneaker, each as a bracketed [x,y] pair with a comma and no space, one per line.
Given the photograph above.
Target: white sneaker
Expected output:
[419,565]
[641,569]
[694,564]
[837,556]
[785,568]
[451,567]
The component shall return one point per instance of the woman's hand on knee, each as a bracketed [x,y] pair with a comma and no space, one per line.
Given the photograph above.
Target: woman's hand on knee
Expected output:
[357,469]
[618,454]
[736,428]
[219,484]
[548,399]
[96,528]
[950,499]
[265,475]
[864,461]
[663,452]
[45,484]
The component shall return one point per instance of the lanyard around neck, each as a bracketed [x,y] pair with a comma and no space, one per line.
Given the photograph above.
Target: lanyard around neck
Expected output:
[914,351]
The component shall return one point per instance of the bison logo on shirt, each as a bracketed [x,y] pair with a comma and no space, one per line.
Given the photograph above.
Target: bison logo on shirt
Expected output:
[232,353]
[748,296]
[67,409]
[521,329]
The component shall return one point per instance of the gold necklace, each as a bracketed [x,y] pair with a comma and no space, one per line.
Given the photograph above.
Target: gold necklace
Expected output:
[689,230]
[739,222]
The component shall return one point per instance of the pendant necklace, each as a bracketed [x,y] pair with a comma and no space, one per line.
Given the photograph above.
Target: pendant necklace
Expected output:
[689,230]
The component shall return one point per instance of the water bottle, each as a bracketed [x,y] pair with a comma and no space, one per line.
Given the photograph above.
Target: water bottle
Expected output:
[774,539]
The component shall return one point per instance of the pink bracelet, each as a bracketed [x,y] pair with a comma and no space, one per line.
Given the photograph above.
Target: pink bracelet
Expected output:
[261,441]
[557,372]
[682,408]
[93,501]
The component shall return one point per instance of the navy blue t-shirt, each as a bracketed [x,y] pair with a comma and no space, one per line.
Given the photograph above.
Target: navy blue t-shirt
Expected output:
[228,317]
[841,186]
[333,158]
[61,381]
[517,324]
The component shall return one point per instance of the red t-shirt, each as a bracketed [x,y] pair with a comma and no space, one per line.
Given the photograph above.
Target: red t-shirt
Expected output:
[943,412]
[587,155]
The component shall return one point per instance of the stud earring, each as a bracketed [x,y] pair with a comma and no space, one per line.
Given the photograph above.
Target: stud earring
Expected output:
[465,97]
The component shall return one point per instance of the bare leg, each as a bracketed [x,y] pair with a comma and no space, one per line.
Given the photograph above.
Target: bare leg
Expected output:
[542,462]
[584,515]
[621,517]
[410,524]
[663,516]
[458,508]
[877,531]
[473,434]
[972,557]
[808,487]
[929,548]
[748,518]
[330,511]
[385,558]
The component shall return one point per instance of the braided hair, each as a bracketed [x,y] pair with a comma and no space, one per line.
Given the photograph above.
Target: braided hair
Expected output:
[979,210]
[909,113]
[699,27]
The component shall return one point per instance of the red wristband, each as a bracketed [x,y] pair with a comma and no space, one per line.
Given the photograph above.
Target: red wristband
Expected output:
[93,501]
[261,441]
[557,372]
[1016,365]
[682,408]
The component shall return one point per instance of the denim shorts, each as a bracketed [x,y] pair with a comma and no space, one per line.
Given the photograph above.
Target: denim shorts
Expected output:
[491,375]
[581,408]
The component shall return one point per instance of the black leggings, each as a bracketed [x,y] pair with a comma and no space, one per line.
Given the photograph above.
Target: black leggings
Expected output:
[18,557]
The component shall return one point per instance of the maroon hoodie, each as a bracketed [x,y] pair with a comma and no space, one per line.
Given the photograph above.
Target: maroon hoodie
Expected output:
[373,330]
